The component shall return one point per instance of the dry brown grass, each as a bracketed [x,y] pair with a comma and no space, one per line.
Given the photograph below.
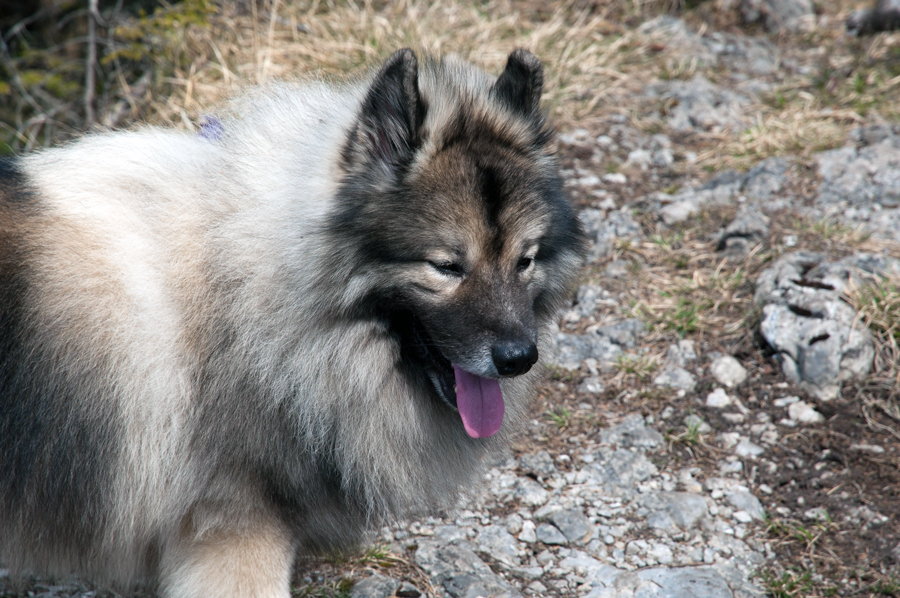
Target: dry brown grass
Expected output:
[596,61]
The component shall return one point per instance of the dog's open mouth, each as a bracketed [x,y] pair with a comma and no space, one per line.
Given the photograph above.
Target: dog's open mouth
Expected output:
[478,399]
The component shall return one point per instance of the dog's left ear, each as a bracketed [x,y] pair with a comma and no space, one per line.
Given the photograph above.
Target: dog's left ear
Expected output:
[387,129]
[520,84]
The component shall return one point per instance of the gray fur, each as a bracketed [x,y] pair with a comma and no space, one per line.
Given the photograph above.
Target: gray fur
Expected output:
[210,345]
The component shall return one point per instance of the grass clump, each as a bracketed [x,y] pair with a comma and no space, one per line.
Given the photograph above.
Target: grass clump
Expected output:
[639,366]
[791,584]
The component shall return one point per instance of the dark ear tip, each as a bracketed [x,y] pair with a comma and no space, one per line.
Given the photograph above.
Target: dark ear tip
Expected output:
[405,57]
[525,58]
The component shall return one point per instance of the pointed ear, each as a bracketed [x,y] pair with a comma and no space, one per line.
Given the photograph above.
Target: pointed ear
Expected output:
[519,87]
[387,126]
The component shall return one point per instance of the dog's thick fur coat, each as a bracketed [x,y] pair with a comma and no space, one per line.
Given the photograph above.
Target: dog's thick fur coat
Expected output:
[218,350]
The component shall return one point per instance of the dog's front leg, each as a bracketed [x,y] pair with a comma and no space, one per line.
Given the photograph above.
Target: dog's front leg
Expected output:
[252,561]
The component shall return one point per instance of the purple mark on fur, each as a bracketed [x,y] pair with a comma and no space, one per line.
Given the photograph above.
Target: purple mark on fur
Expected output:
[211,128]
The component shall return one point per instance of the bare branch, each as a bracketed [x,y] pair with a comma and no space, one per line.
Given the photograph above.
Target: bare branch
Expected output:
[91,61]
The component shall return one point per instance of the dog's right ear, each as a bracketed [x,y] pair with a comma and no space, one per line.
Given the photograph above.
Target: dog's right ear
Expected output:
[387,128]
[520,84]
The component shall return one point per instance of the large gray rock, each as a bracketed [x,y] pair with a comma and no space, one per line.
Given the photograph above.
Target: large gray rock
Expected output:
[860,185]
[754,55]
[621,468]
[675,377]
[375,586]
[573,349]
[728,371]
[631,432]
[700,105]
[748,228]
[664,582]
[587,298]
[817,337]
[604,228]
[573,524]
[540,464]
[499,544]
[866,176]
[778,15]
[460,572]
[624,333]
[670,509]
[550,535]
[744,501]
[681,353]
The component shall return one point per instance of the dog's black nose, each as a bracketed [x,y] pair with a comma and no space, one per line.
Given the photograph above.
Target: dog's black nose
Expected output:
[513,359]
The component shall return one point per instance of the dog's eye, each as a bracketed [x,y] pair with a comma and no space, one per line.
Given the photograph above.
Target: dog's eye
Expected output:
[448,268]
[524,263]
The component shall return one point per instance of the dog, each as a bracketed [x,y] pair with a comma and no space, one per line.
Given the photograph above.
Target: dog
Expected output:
[219,351]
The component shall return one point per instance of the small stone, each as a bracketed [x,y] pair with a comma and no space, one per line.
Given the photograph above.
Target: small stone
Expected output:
[728,371]
[573,524]
[639,158]
[816,514]
[550,534]
[527,573]
[681,353]
[728,440]
[742,517]
[868,448]
[731,467]
[540,464]
[733,418]
[514,524]
[695,422]
[528,534]
[615,178]
[662,554]
[675,377]
[804,413]
[376,586]
[785,401]
[531,493]
[745,448]
[747,503]
[718,399]
[591,385]
[538,588]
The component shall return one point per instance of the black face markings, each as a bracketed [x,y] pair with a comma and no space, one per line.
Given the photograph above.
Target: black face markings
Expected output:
[491,171]
[492,194]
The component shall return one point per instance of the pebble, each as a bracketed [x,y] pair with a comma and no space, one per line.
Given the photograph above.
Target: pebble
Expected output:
[745,448]
[695,422]
[528,532]
[728,371]
[550,535]
[785,401]
[819,514]
[675,377]
[718,399]
[804,413]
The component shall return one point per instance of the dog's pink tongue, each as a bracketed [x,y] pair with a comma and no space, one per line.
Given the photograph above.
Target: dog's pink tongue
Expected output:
[480,403]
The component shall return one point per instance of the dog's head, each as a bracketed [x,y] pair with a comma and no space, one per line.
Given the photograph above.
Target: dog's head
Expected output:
[464,241]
